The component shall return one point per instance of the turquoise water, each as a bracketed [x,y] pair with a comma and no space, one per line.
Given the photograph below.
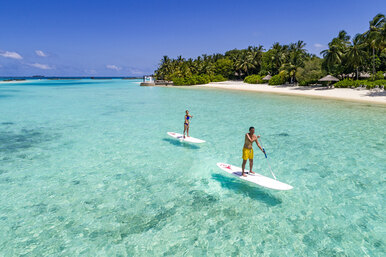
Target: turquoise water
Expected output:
[86,169]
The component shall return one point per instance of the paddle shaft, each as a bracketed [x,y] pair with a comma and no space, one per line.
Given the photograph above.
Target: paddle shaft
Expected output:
[269,165]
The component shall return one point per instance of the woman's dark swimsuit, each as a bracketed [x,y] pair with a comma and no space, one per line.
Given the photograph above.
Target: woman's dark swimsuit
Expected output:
[186,122]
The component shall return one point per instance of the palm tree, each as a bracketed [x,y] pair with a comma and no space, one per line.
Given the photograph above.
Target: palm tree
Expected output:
[253,56]
[236,59]
[278,57]
[295,59]
[356,53]
[336,51]
[190,64]
[374,35]
[180,59]
[244,63]
[164,67]
[382,37]
[332,56]
[216,57]
[343,38]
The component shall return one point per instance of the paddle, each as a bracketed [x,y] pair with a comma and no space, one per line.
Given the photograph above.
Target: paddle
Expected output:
[269,165]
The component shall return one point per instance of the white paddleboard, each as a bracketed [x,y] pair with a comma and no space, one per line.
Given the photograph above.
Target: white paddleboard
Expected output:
[186,139]
[254,178]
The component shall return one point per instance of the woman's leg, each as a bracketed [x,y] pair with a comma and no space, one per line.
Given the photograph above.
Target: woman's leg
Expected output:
[184,129]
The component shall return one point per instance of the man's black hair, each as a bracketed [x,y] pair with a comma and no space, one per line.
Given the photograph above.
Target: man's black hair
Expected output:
[251,128]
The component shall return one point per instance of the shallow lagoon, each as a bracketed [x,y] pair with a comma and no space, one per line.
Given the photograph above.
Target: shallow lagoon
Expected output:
[86,168]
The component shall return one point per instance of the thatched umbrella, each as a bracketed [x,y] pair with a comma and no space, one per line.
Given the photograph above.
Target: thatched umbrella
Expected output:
[329,79]
[268,77]
[364,75]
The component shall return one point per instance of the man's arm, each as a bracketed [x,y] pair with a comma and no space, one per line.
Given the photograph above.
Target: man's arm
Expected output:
[249,138]
[258,144]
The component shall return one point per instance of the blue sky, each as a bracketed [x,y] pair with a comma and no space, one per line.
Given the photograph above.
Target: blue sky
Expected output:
[126,38]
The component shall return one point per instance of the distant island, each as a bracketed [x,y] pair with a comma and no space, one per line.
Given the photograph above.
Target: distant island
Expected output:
[357,61]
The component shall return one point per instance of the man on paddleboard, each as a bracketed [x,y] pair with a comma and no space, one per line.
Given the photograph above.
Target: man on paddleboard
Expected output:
[187,123]
[248,150]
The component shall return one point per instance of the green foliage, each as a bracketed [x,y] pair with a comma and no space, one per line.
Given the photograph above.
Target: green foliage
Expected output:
[379,82]
[307,82]
[254,79]
[365,52]
[218,78]
[178,81]
[348,83]
[278,79]
[379,75]
[267,63]
[310,73]
[203,79]
[191,80]
[224,67]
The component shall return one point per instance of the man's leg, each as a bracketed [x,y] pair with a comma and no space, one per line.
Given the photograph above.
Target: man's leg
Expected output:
[243,168]
[250,166]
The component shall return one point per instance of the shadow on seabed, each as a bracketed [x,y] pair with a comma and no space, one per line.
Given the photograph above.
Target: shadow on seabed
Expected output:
[245,189]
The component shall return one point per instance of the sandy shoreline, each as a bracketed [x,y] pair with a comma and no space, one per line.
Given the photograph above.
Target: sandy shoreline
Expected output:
[14,81]
[346,94]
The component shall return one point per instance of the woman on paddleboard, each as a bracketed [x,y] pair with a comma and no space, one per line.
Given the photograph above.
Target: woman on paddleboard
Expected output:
[187,122]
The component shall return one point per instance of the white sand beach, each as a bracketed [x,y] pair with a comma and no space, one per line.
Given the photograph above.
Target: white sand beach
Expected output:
[14,81]
[347,94]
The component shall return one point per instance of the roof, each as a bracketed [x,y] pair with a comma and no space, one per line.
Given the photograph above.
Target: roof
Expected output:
[364,75]
[329,78]
[268,77]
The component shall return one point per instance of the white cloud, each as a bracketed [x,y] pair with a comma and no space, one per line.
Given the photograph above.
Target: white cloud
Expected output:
[41,66]
[12,55]
[317,45]
[92,72]
[134,71]
[40,53]
[113,67]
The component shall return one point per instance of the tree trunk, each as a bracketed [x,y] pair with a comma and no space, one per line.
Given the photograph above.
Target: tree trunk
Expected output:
[373,61]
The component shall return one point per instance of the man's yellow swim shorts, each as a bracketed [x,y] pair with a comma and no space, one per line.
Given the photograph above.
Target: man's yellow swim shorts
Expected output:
[247,154]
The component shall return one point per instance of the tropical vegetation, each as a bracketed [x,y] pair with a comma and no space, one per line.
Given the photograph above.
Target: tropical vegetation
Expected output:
[346,58]
[253,79]
[369,84]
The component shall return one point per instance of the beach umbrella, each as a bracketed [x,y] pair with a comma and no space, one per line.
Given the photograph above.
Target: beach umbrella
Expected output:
[329,78]
[268,77]
[364,75]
